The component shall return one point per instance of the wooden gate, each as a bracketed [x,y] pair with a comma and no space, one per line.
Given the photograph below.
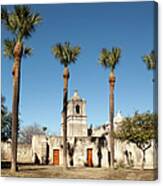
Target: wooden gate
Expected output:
[56,157]
[89,158]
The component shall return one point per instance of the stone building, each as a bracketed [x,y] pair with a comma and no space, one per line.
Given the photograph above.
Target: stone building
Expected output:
[88,146]
[76,117]
[83,150]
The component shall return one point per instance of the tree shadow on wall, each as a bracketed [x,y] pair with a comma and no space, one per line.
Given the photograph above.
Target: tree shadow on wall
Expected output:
[90,130]
[129,158]
[71,150]
[102,142]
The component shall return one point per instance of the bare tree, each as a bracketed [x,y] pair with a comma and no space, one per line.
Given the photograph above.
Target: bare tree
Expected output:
[27,132]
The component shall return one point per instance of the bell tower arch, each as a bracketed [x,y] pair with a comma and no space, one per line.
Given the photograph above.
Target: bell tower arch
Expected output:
[76,117]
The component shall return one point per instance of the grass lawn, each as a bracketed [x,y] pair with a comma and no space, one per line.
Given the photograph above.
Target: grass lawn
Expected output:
[33,171]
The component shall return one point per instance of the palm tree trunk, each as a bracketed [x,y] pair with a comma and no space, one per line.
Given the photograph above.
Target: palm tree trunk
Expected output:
[65,95]
[112,82]
[15,103]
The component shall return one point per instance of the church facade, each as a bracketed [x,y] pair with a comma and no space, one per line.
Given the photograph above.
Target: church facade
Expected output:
[76,117]
[88,147]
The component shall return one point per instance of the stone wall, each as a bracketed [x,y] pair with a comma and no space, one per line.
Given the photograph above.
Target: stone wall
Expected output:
[24,152]
[99,150]
[101,130]
[77,150]
[56,143]
[5,151]
[130,155]
[40,147]
[126,154]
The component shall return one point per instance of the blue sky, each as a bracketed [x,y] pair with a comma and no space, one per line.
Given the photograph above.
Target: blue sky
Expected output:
[93,27]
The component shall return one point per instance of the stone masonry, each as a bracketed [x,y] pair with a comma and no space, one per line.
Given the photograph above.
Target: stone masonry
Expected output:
[87,147]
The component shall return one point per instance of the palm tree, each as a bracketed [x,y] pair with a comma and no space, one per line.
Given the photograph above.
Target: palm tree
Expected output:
[66,54]
[150,61]
[109,59]
[21,23]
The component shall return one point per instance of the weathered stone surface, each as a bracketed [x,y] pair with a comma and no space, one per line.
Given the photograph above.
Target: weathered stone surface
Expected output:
[24,153]
[76,117]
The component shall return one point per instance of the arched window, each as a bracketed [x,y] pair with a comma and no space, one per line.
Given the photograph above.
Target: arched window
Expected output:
[77,109]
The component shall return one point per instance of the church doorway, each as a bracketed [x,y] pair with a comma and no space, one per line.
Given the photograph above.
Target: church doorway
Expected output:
[89,158]
[56,157]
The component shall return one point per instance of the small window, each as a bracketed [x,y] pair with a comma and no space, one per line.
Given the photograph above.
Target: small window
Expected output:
[77,109]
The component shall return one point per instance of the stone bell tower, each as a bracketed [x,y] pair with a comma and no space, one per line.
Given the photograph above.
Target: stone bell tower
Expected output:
[76,117]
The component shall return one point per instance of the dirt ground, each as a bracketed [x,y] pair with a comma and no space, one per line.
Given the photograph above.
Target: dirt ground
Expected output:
[80,173]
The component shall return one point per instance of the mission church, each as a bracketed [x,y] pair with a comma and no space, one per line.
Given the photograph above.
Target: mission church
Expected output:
[88,147]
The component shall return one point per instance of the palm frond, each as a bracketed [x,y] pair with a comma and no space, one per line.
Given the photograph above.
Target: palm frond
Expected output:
[26,20]
[27,52]
[9,47]
[66,53]
[104,57]
[57,51]
[116,53]
[74,53]
[150,60]
[21,21]
[36,19]
[109,59]
[8,20]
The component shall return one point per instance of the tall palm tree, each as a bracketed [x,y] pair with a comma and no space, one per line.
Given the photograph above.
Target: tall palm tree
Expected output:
[150,61]
[66,54]
[21,23]
[109,59]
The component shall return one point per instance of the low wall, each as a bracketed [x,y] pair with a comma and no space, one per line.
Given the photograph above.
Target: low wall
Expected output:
[24,153]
